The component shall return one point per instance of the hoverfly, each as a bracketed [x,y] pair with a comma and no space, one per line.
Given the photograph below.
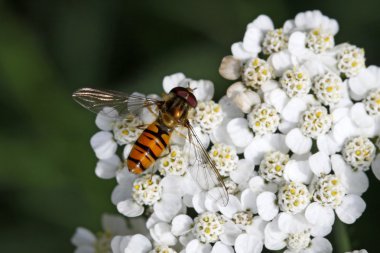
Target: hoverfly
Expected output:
[173,112]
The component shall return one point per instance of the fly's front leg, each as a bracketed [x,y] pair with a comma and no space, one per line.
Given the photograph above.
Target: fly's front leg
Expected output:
[142,127]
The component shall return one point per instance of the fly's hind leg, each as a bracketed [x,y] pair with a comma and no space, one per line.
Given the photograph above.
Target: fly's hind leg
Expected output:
[168,153]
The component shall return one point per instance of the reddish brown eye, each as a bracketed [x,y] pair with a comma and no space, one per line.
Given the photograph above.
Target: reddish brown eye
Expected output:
[186,95]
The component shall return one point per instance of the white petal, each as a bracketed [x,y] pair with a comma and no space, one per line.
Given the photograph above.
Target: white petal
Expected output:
[280,62]
[257,185]
[355,182]
[320,231]
[360,117]
[173,184]
[297,45]
[83,236]
[231,208]
[266,205]
[162,235]
[257,227]
[106,119]
[293,109]
[119,243]
[127,150]
[251,40]
[130,208]
[343,130]
[278,99]
[327,144]
[199,202]
[107,168]
[320,245]
[319,215]
[172,81]
[262,22]
[168,207]
[340,113]
[362,83]
[351,208]
[291,224]
[245,170]
[239,132]
[231,232]
[376,167]
[285,126]
[298,171]
[297,142]
[181,224]
[269,86]
[260,145]
[248,244]
[230,68]
[248,200]
[220,247]
[186,238]
[138,244]
[320,163]
[196,246]
[240,53]
[152,220]
[212,199]
[103,144]
[274,237]
[230,110]
[203,89]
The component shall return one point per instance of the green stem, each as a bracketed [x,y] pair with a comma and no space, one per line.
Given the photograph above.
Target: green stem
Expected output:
[341,237]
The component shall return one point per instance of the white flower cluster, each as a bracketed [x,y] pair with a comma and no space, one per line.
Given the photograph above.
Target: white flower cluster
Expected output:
[292,139]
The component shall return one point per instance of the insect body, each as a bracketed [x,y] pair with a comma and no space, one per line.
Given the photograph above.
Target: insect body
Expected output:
[173,111]
[148,147]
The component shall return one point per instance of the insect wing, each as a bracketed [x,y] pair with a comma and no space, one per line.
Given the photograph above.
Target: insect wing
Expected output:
[115,103]
[203,168]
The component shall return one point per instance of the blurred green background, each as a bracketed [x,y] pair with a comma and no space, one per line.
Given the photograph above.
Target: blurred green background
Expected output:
[50,48]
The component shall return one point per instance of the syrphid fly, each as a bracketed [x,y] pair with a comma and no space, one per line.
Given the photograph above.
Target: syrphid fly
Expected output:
[173,112]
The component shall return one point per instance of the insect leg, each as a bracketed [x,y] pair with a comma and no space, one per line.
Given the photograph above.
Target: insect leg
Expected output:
[169,151]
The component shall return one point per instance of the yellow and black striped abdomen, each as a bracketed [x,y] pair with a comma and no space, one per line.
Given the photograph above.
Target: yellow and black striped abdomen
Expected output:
[148,148]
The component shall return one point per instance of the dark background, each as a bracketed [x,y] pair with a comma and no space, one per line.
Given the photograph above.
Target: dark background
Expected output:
[50,48]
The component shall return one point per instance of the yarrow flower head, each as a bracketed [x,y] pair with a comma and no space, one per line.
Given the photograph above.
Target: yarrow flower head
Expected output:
[274,41]
[315,121]
[273,165]
[359,152]
[298,241]
[293,197]
[328,88]
[126,130]
[208,227]
[291,143]
[173,163]
[296,82]
[372,103]
[351,60]
[256,72]
[263,119]
[319,41]
[147,190]
[225,158]
[208,115]
[329,191]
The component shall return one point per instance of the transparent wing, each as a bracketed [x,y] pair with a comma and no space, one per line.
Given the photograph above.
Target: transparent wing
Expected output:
[203,168]
[96,100]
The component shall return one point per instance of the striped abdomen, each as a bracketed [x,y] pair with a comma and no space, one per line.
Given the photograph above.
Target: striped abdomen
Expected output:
[148,148]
